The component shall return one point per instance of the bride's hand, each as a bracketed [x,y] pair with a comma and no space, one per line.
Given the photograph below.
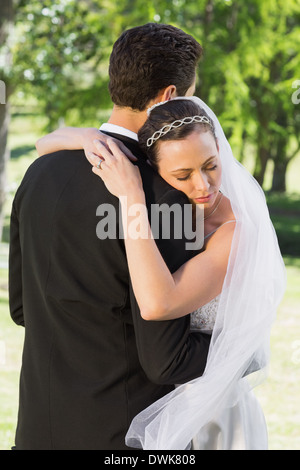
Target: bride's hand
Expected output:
[92,137]
[119,175]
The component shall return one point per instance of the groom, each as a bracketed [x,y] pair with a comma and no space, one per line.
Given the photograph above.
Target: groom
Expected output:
[90,362]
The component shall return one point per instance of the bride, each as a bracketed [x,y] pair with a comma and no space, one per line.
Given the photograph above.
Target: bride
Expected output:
[233,287]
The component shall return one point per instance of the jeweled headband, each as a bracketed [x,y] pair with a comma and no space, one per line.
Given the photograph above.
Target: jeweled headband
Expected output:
[178,123]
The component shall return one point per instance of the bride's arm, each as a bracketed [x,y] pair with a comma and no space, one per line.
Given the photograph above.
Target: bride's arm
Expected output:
[73,138]
[160,294]
[67,138]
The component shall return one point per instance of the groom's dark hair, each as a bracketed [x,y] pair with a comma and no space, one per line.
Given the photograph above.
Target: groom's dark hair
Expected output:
[149,58]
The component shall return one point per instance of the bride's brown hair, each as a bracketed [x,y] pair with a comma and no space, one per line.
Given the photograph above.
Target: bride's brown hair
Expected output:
[165,114]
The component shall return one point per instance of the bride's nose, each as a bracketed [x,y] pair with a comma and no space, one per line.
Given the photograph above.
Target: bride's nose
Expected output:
[201,182]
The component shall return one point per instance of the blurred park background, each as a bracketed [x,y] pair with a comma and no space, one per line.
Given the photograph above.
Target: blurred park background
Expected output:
[53,72]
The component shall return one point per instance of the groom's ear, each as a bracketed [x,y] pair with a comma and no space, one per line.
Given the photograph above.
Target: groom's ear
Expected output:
[167,93]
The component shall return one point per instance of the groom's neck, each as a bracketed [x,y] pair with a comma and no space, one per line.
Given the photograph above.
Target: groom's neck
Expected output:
[128,118]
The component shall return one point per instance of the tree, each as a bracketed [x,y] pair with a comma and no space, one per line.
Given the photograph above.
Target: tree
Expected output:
[270,82]
[6,24]
[62,47]
[62,52]
[59,54]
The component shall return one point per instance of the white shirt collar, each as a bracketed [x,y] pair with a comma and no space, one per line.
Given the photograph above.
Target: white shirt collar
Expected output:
[114,129]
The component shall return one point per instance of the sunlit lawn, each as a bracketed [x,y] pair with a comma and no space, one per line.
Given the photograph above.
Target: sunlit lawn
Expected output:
[279,395]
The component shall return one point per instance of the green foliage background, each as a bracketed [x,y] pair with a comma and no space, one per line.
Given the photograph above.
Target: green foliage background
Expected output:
[61,50]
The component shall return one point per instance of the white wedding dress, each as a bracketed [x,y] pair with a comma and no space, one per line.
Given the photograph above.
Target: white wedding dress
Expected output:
[234,428]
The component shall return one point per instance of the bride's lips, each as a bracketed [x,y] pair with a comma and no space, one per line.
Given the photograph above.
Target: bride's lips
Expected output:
[203,200]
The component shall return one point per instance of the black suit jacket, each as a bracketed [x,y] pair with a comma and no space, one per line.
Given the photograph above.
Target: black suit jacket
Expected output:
[90,362]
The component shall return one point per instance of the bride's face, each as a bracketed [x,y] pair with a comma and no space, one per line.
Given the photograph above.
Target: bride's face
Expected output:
[192,166]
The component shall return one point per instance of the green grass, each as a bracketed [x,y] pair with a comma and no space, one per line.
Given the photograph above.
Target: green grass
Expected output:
[11,341]
[279,395]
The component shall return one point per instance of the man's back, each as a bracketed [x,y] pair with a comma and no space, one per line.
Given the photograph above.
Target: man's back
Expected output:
[89,362]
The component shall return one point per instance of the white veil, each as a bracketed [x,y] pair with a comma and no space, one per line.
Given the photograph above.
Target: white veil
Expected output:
[239,352]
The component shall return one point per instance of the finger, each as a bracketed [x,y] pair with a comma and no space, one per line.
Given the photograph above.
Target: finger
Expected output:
[96,171]
[99,171]
[93,158]
[104,138]
[116,150]
[100,146]
[115,145]
[104,152]
[127,152]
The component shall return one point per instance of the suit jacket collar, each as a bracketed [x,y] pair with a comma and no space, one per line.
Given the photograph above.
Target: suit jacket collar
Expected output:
[115,129]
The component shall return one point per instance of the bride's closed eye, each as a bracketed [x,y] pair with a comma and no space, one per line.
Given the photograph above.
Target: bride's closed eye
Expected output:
[184,178]
[212,168]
